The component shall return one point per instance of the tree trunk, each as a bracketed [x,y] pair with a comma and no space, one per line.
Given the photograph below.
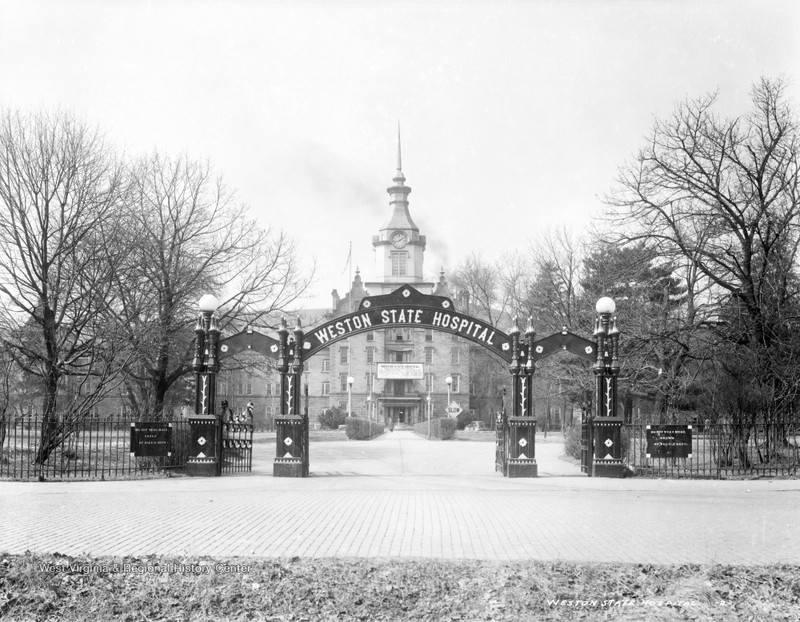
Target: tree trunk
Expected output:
[49,437]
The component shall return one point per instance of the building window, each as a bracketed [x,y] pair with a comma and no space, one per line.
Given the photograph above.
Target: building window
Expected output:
[370,381]
[343,354]
[370,355]
[399,261]
[398,388]
[455,387]
[249,385]
[326,388]
[370,336]
[402,334]
[326,364]
[455,355]
[430,381]
[428,335]
[343,382]
[238,384]
[429,355]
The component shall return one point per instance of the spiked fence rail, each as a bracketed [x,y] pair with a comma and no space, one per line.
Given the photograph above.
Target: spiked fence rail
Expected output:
[721,450]
[92,448]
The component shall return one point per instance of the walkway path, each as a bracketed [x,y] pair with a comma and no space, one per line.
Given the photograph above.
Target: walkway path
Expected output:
[404,496]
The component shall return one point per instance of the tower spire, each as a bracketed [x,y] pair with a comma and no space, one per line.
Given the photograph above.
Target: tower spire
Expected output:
[399,158]
[399,177]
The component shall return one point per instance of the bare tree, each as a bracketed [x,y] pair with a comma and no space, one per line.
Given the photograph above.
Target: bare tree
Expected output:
[191,236]
[59,186]
[553,296]
[482,281]
[489,300]
[723,195]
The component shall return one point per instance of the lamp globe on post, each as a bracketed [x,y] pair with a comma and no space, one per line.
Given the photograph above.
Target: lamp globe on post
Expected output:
[207,304]
[606,306]
[350,382]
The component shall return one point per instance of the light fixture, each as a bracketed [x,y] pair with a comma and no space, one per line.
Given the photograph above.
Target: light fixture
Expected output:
[606,306]
[208,303]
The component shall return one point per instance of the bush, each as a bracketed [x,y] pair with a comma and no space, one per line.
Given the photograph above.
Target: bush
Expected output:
[444,429]
[572,442]
[464,419]
[332,418]
[363,429]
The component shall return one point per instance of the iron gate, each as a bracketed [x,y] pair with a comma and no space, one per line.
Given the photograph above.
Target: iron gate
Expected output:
[237,447]
[500,444]
[587,445]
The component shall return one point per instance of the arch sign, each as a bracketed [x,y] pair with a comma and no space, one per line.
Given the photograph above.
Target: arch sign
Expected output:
[407,307]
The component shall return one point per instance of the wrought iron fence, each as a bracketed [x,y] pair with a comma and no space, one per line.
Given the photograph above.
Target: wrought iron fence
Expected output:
[90,448]
[720,450]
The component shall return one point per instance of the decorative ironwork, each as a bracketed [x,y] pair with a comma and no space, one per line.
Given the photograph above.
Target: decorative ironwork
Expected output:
[237,447]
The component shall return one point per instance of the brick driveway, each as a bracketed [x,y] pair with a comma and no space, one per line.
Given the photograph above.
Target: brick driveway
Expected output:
[403,496]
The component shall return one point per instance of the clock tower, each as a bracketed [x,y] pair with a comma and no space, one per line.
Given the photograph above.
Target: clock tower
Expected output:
[399,247]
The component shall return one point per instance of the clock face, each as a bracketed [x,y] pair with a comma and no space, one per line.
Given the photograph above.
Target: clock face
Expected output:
[399,240]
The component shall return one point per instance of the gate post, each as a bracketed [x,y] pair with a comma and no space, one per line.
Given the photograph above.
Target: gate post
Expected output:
[205,452]
[289,426]
[521,429]
[606,427]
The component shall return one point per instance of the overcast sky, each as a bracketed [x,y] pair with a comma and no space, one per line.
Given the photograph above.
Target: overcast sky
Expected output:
[514,115]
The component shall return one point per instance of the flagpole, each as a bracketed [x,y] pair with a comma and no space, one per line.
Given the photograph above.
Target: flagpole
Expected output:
[349,301]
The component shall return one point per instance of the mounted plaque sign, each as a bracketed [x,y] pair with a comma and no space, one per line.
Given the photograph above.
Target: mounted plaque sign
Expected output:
[669,441]
[151,439]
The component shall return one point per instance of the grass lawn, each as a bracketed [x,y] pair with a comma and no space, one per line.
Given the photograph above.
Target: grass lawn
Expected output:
[56,587]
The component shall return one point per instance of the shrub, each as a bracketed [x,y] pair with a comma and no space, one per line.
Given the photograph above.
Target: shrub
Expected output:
[572,442]
[444,429]
[363,429]
[464,419]
[332,418]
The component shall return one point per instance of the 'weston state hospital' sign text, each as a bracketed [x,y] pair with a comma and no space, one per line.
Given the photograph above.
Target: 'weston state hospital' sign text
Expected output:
[409,317]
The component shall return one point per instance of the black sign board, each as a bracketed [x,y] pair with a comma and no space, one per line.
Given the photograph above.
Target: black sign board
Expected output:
[151,439]
[669,441]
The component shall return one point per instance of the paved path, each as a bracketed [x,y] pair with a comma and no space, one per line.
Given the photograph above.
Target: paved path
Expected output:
[403,496]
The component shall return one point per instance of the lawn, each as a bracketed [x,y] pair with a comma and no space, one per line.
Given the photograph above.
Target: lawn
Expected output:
[56,587]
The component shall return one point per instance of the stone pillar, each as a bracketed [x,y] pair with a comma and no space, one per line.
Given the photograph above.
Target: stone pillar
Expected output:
[203,458]
[206,447]
[606,431]
[521,428]
[290,426]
